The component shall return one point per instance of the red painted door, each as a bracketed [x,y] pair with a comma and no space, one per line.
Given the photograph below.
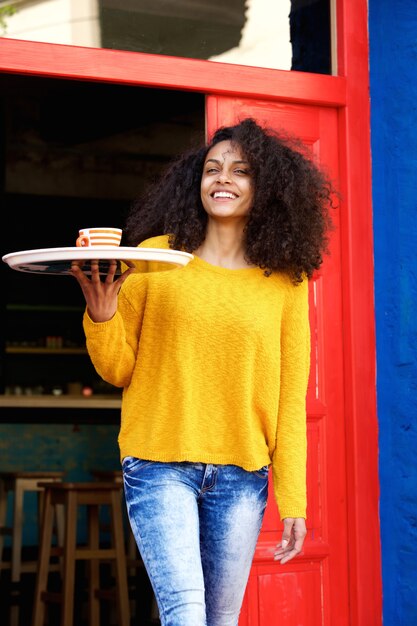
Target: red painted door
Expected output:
[331,114]
[312,589]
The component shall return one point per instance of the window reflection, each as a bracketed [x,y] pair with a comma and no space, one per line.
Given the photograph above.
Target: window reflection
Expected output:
[264,38]
[281,34]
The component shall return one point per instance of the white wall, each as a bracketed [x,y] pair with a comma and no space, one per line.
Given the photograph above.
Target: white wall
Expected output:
[72,22]
[265,40]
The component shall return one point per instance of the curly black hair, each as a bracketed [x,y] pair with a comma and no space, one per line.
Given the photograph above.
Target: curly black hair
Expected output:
[288,225]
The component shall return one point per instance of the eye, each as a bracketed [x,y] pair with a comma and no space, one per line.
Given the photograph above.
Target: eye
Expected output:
[211,170]
[241,171]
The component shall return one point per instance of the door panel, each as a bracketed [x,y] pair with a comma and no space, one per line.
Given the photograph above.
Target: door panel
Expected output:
[312,589]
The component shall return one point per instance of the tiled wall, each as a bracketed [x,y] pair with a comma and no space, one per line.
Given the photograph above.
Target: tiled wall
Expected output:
[74,449]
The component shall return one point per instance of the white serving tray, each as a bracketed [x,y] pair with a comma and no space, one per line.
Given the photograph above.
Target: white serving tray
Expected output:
[58,260]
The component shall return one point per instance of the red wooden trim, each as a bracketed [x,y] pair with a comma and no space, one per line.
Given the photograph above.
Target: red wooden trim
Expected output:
[350,92]
[44,59]
[358,319]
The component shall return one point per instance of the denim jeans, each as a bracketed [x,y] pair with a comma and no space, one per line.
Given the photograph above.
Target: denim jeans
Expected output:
[196,527]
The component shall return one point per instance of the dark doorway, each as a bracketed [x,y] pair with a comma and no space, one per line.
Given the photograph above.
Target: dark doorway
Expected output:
[75,155]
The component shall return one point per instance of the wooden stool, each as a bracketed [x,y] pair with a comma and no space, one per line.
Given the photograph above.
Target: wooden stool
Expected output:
[73,495]
[18,483]
[134,559]
[117,477]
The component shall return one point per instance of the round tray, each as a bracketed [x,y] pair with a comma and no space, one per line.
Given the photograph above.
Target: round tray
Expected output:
[58,260]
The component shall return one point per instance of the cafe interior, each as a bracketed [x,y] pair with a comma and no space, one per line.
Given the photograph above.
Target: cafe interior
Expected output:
[74,155]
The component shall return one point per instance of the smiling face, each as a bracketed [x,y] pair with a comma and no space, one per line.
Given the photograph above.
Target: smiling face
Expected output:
[226,183]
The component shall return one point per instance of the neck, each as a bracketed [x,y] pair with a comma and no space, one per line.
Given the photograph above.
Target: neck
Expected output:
[223,245]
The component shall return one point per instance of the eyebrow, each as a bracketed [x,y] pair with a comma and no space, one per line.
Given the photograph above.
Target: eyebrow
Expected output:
[219,162]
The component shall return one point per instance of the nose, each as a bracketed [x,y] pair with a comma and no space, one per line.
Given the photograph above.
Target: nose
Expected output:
[223,177]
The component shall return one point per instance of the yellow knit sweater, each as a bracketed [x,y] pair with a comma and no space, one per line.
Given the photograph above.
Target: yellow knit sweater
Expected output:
[214,367]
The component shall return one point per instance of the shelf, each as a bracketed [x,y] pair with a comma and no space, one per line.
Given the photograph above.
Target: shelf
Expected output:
[63,402]
[45,308]
[24,350]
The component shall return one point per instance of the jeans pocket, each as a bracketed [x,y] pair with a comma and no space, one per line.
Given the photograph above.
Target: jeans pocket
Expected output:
[131,463]
[262,472]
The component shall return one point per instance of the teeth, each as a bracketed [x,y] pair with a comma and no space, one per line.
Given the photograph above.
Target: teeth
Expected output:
[224,194]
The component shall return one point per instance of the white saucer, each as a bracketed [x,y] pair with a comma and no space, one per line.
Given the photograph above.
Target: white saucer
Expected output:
[58,260]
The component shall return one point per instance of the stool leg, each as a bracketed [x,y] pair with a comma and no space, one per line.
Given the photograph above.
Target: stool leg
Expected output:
[60,531]
[43,565]
[60,523]
[132,553]
[41,504]
[94,583]
[17,531]
[67,607]
[3,512]
[121,573]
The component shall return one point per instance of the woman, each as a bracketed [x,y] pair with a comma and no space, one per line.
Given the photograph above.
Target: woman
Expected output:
[213,359]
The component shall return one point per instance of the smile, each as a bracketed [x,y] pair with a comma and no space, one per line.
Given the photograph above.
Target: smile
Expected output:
[224,194]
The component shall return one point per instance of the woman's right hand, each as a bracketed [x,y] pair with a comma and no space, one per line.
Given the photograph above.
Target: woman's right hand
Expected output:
[100,296]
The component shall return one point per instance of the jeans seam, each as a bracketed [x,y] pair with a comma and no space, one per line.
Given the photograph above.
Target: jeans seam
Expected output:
[210,487]
[160,603]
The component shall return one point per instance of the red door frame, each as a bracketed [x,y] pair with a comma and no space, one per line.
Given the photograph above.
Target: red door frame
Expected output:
[349,92]
[358,317]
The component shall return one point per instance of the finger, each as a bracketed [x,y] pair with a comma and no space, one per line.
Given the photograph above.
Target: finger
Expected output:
[286,544]
[284,547]
[75,270]
[95,273]
[282,550]
[125,274]
[111,271]
[78,274]
[279,556]
[76,266]
[121,279]
[290,555]
[129,264]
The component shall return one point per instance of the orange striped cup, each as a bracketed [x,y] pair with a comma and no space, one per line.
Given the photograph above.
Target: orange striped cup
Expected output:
[100,236]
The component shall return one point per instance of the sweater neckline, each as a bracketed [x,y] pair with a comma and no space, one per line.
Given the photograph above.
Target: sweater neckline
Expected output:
[226,271]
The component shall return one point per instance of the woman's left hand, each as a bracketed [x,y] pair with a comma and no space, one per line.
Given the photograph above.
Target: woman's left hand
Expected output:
[292,539]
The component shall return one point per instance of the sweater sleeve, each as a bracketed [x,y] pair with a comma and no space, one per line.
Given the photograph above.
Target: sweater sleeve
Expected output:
[112,345]
[290,455]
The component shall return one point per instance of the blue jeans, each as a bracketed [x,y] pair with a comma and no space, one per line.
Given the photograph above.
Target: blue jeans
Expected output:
[196,527]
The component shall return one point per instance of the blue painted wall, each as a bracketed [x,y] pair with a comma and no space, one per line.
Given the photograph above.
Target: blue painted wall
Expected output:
[74,449]
[393,73]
